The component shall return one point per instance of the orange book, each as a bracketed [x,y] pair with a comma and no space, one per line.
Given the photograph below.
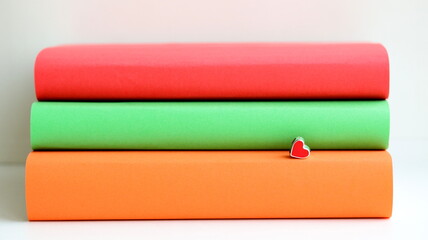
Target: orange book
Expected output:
[95,185]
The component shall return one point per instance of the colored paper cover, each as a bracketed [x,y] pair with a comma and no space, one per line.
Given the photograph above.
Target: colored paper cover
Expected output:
[91,185]
[209,125]
[213,71]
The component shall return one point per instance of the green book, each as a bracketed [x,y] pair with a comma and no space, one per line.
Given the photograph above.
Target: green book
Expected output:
[209,125]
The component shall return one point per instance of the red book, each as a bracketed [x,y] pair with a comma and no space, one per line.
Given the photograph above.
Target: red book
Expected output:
[213,71]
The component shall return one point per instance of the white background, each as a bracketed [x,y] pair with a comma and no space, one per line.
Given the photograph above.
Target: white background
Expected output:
[26,27]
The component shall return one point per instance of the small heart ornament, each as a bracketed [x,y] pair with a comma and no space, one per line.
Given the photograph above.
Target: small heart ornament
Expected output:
[299,149]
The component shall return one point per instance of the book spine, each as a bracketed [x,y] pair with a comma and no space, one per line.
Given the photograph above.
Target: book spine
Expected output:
[97,185]
[212,71]
[209,125]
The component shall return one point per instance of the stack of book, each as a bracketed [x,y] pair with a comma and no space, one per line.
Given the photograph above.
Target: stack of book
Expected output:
[202,131]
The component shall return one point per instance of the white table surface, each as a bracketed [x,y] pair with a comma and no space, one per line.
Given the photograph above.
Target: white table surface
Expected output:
[409,218]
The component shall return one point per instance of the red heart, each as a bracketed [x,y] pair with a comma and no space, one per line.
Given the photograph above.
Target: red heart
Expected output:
[299,149]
